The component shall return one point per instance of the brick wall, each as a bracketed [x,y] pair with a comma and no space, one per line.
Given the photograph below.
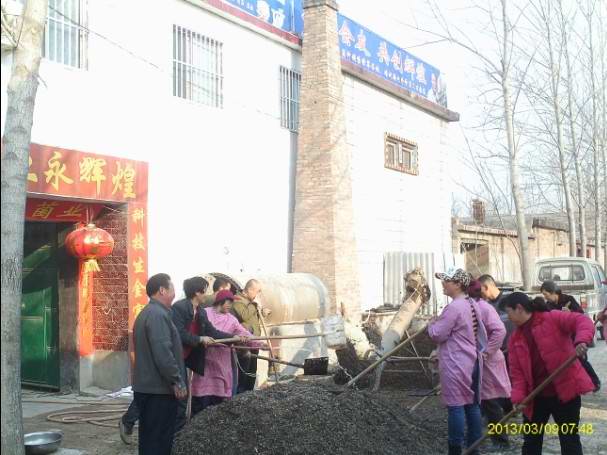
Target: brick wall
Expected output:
[323,234]
[110,288]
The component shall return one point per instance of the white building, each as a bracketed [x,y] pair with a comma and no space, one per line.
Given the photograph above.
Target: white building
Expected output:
[207,95]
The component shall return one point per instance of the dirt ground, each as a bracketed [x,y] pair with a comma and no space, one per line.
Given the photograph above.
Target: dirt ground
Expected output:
[92,439]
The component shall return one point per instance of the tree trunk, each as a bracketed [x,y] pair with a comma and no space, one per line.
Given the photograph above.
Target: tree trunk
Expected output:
[519,202]
[21,96]
[596,160]
[603,42]
[574,146]
[555,79]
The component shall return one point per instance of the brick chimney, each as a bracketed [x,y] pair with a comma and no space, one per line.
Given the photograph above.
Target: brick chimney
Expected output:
[478,211]
[323,237]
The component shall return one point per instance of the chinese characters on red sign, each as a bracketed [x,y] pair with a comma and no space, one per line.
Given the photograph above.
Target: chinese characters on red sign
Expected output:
[60,211]
[138,258]
[70,173]
[64,177]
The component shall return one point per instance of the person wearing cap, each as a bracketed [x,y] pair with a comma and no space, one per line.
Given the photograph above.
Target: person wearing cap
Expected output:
[542,342]
[217,383]
[495,385]
[220,284]
[461,336]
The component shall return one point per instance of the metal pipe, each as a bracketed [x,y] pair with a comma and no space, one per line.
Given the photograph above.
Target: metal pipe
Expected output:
[385,356]
[407,359]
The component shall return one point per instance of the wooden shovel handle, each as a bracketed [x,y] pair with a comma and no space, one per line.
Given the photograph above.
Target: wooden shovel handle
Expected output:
[278,337]
[518,408]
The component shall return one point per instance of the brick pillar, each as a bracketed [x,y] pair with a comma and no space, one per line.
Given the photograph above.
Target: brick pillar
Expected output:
[323,238]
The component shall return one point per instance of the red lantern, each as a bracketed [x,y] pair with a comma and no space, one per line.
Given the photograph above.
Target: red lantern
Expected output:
[89,243]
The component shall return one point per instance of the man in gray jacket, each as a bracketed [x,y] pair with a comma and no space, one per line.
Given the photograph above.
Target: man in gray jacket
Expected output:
[157,381]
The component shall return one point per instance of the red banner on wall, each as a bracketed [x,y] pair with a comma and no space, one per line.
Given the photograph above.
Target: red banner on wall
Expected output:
[85,311]
[138,258]
[73,174]
[70,173]
[60,211]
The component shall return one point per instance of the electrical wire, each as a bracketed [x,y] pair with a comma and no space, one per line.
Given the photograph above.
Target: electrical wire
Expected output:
[170,75]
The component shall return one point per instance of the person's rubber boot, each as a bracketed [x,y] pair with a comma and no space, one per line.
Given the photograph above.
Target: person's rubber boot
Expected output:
[126,432]
[455,450]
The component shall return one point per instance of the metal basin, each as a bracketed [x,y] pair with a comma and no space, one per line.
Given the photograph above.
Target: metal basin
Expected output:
[43,442]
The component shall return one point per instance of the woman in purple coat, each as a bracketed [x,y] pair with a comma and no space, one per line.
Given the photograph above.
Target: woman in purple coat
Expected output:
[495,388]
[461,334]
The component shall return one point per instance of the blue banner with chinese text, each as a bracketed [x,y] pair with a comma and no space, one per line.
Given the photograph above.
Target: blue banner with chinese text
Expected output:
[284,14]
[369,51]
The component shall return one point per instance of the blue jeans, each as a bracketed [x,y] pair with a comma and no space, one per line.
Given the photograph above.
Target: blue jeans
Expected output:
[459,417]
[468,415]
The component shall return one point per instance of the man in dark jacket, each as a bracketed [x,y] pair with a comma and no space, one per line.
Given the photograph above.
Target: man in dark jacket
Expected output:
[494,409]
[158,383]
[493,295]
[183,313]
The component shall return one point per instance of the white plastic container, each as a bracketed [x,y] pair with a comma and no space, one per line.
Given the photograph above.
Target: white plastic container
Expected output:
[333,329]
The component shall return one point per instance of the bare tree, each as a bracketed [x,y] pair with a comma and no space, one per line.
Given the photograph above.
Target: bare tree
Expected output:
[589,13]
[517,196]
[21,94]
[552,118]
[581,198]
[498,66]
[603,57]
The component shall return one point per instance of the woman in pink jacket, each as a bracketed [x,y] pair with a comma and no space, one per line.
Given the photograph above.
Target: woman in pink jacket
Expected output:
[543,341]
[465,331]
[217,383]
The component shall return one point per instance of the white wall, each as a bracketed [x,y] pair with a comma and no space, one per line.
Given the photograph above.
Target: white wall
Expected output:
[395,211]
[218,178]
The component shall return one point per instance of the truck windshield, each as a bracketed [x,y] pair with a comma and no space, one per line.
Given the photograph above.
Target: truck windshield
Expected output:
[562,273]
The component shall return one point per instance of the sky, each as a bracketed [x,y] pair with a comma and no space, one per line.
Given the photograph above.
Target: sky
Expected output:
[396,20]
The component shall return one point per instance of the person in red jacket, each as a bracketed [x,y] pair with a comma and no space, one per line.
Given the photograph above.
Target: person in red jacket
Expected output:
[543,341]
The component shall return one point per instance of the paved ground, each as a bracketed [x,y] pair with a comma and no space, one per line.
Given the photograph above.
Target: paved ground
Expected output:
[594,411]
[79,438]
[85,438]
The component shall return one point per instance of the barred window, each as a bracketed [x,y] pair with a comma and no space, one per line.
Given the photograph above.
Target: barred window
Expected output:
[66,33]
[197,67]
[400,154]
[290,82]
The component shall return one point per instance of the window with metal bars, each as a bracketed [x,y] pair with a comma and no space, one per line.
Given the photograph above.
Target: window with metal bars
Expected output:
[400,154]
[66,33]
[197,67]
[290,82]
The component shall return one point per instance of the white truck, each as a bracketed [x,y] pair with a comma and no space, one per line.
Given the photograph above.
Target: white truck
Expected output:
[580,277]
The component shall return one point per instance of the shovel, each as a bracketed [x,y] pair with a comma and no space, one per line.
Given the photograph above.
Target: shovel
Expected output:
[311,367]
[518,408]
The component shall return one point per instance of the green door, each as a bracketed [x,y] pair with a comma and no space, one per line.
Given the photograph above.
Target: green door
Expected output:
[39,306]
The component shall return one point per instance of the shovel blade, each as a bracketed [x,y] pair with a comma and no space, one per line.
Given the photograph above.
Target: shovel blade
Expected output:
[317,366]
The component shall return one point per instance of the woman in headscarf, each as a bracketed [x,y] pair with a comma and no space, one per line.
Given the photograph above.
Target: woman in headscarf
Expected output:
[217,384]
[461,334]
